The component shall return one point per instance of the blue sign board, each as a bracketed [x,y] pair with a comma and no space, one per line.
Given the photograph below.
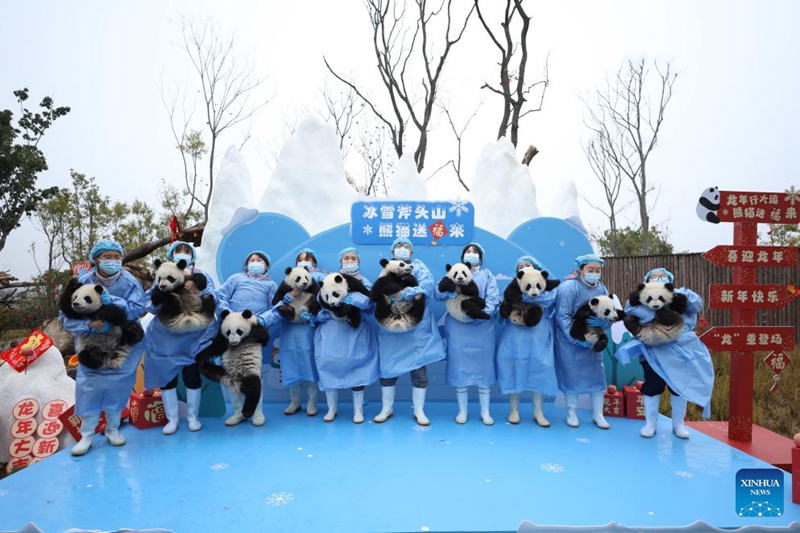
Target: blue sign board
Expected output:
[426,223]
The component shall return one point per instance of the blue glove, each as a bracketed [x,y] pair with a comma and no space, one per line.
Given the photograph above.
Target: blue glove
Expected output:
[596,322]
[585,344]
[105,328]
[105,298]
[308,317]
[451,295]
[287,298]
[348,299]
[261,322]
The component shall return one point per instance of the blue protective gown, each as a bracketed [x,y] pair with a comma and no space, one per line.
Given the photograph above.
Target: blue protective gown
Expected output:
[346,357]
[470,345]
[526,356]
[108,390]
[167,352]
[400,353]
[579,369]
[685,363]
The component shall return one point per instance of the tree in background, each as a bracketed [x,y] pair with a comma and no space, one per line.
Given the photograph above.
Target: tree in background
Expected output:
[513,85]
[625,122]
[782,234]
[21,163]
[629,242]
[227,84]
[405,53]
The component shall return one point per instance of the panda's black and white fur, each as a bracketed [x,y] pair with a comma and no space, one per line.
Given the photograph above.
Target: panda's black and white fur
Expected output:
[239,341]
[708,205]
[297,278]
[529,282]
[669,307]
[332,292]
[467,305]
[598,307]
[181,310]
[401,315]
[107,350]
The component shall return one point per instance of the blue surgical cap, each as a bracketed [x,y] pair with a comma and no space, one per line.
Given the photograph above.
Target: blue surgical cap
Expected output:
[529,259]
[348,250]
[308,251]
[171,250]
[262,255]
[402,240]
[582,260]
[104,245]
[659,270]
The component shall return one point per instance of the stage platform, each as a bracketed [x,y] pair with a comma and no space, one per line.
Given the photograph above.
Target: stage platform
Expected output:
[299,474]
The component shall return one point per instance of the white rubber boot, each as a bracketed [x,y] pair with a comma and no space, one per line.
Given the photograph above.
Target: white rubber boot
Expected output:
[513,408]
[572,405]
[193,409]
[650,416]
[88,423]
[295,391]
[311,408]
[358,407]
[387,405]
[462,398]
[237,400]
[678,416]
[258,416]
[538,413]
[484,397]
[113,435]
[170,399]
[597,410]
[333,399]
[418,400]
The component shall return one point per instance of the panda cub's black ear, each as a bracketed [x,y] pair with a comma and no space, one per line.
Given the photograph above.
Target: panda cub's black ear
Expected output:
[247,313]
[469,265]
[225,313]
[384,262]
[182,264]
[640,287]
[338,278]
[157,263]
[520,274]
[594,301]
[447,267]
[670,287]
[545,274]
[288,269]
[98,289]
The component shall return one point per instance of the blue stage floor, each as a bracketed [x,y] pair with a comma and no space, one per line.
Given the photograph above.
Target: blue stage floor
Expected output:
[300,474]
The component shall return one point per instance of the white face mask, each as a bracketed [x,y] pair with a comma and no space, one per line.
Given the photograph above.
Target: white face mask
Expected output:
[256,268]
[350,268]
[305,264]
[592,278]
[472,258]
[659,279]
[402,253]
[185,257]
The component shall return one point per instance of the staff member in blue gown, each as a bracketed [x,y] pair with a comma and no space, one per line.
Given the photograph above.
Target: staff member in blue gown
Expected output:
[347,357]
[106,390]
[526,355]
[168,353]
[579,369]
[409,351]
[471,345]
[683,365]
[308,258]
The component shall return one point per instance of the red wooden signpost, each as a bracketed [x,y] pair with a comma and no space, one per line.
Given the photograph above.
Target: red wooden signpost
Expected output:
[744,295]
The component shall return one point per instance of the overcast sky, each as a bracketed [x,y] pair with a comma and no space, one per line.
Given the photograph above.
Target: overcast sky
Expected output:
[733,120]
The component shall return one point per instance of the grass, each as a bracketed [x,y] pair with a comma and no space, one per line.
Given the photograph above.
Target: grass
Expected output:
[777,411]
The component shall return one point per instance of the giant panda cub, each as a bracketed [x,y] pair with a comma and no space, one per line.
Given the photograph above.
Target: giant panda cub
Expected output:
[601,307]
[181,310]
[109,349]
[529,282]
[669,307]
[298,278]
[467,305]
[402,315]
[332,293]
[240,341]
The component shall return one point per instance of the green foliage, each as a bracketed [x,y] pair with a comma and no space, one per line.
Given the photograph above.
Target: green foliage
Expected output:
[629,243]
[782,234]
[21,163]
[36,304]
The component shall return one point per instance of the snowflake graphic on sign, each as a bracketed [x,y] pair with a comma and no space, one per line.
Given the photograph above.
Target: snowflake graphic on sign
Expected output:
[792,196]
[279,499]
[459,207]
[367,230]
[457,231]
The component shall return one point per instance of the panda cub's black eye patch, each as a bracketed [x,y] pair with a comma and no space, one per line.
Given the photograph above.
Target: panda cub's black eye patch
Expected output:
[171,279]
[239,332]
[335,294]
[87,299]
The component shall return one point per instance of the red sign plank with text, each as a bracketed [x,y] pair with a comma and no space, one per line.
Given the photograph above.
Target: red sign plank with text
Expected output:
[752,256]
[767,208]
[766,338]
[733,296]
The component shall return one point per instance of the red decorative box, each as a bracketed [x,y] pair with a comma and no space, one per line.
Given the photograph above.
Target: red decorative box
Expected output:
[614,402]
[147,411]
[634,402]
[72,423]
[796,474]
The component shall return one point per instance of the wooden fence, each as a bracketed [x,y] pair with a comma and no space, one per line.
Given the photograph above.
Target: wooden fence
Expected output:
[623,274]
